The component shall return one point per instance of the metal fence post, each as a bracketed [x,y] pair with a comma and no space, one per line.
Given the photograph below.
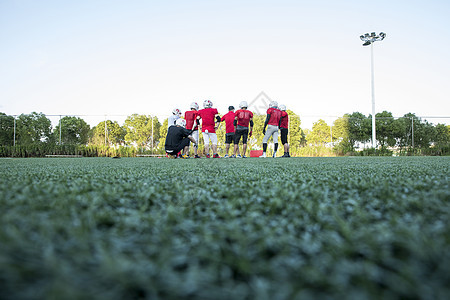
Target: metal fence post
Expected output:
[60,129]
[14,139]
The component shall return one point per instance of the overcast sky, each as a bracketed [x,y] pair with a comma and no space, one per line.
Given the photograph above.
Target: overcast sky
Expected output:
[148,57]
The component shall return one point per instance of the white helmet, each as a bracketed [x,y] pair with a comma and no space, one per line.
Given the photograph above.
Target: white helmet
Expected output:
[194,105]
[282,107]
[207,104]
[273,104]
[176,112]
[243,104]
[181,122]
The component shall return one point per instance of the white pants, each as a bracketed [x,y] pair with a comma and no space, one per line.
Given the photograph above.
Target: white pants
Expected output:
[210,137]
[271,130]
[194,135]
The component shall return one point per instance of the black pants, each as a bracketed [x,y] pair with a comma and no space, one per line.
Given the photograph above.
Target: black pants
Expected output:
[174,150]
[239,133]
[284,135]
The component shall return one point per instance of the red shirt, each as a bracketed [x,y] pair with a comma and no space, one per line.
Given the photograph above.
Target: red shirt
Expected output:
[284,120]
[208,119]
[275,116]
[243,117]
[190,117]
[229,119]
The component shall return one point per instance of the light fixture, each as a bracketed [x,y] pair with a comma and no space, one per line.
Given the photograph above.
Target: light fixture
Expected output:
[369,39]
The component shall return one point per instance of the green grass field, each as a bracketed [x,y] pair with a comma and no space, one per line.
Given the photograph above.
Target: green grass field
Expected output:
[300,228]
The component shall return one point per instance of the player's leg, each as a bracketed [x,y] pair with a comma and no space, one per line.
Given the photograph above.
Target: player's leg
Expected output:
[275,141]
[206,141]
[213,138]
[237,139]
[266,137]
[244,142]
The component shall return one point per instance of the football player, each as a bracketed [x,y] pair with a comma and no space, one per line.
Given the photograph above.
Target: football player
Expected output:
[210,122]
[192,124]
[242,120]
[272,123]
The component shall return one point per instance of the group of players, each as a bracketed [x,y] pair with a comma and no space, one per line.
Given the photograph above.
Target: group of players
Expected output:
[238,124]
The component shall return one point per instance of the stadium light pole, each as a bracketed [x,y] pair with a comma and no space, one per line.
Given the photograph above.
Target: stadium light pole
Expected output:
[370,39]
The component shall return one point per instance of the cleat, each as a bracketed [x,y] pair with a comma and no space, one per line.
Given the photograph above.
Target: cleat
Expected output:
[184,156]
[243,156]
[233,156]
[197,156]
[263,156]
[207,156]
[216,156]
[238,156]
[226,156]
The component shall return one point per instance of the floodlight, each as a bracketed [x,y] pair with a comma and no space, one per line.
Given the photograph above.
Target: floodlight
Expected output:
[369,39]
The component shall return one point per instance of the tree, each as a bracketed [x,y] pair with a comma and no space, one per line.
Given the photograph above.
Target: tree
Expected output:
[163,134]
[295,135]
[341,134]
[359,128]
[33,128]
[74,130]
[142,130]
[385,131]
[115,134]
[6,130]
[442,135]
[255,141]
[320,134]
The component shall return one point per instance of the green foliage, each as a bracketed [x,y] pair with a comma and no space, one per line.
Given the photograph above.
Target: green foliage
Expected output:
[314,228]
[6,130]
[360,128]
[320,134]
[142,130]
[115,134]
[71,130]
[33,129]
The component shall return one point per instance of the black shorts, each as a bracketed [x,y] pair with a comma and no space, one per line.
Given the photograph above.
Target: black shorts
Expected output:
[284,135]
[173,150]
[229,137]
[239,133]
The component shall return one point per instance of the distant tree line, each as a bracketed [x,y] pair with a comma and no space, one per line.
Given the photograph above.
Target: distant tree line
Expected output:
[30,135]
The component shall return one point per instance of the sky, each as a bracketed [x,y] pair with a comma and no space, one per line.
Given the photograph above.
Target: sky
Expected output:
[116,58]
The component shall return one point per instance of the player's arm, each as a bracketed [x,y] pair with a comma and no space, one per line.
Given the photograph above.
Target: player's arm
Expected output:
[279,123]
[265,123]
[235,123]
[251,127]
[217,123]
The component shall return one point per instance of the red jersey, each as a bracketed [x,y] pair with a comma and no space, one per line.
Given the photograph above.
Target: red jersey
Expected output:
[275,116]
[243,117]
[190,116]
[284,120]
[208,119]
[229,119]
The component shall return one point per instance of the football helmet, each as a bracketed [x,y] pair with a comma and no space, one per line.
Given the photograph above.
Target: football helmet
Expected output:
[181,122]
[194,105]
[176,112]
[273,104]
[282,107]
[243,104]
[207,104]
